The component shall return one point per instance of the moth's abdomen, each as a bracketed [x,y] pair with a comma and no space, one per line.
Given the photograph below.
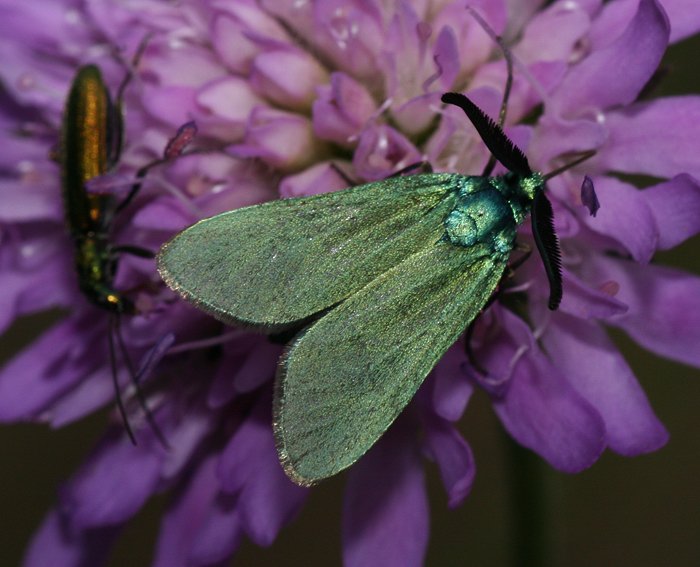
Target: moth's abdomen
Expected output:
[484,217]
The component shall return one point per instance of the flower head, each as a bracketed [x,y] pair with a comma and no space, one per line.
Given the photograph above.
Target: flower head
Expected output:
[292,99]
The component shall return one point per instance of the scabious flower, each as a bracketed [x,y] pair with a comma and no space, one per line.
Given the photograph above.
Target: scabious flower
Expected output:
[287,95]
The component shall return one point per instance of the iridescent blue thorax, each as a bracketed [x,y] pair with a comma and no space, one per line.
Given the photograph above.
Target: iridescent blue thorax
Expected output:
[489,210]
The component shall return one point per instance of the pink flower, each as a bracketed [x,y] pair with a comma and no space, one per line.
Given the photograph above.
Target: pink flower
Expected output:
[286,94]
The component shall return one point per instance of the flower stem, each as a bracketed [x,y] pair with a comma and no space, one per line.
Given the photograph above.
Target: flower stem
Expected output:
[529,523]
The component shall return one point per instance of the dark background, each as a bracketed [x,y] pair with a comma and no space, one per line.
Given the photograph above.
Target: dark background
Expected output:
[643,511]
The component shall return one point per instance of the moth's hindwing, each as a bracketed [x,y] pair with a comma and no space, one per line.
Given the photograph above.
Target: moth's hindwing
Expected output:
[345,380]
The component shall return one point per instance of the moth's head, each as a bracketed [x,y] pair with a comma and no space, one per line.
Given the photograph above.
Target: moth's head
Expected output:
[531,185]
[522,188]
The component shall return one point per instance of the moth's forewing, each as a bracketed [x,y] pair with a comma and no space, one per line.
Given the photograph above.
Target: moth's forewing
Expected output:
[274,264]
[345,379]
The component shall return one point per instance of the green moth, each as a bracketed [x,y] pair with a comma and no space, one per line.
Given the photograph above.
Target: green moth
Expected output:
[384,277]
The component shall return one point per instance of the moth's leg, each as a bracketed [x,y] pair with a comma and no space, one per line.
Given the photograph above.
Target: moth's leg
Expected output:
[422,166]
[349,180]
[418,167]
[136,187]
[133,251]
[469,333]
[526,249]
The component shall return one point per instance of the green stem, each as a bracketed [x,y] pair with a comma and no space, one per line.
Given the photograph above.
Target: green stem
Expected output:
[530,530]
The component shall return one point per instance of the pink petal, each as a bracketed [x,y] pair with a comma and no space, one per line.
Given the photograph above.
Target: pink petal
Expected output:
[174,105]
[218,96]
[342,109]
[112,485]
[92,392]
[267,499]
[385,515]
[626,217]
[675,205]
[446,57]
[282,139]
[382,151]
[555,136]
[223,387]
[24,290]
[597,81]
[351,32]
[29,199]
[53,364]
[185,515]
[287,77]
[221,533]
[416,115]
[53,543]
[684,17]
[185,436]
[238,31]
[474,45]
[451,389]
[592,364]
[664,308]
[538,43]
[454,457]
[587,302]
[671,122]
[320,178]
[543,412]
[259,366]
[231,45]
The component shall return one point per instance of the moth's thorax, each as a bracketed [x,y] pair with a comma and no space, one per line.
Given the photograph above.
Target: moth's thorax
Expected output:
[489,209]
[519,191]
